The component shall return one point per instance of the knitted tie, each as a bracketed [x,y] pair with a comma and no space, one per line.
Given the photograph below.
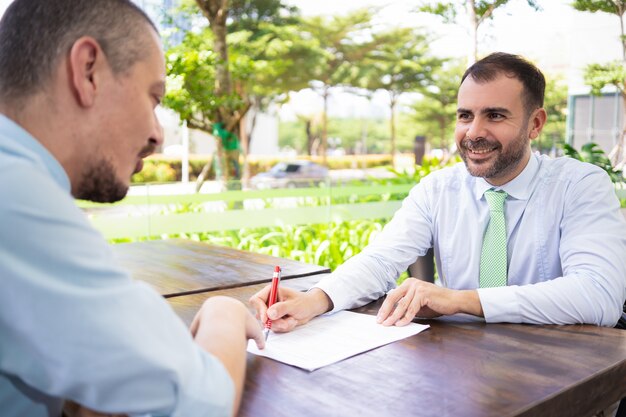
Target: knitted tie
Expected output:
[493,256]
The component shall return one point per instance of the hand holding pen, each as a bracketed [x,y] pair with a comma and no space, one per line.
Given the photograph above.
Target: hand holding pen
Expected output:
[272,299]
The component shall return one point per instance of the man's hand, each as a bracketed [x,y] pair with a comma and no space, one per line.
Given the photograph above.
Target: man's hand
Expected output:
[423,299]
[292,309]
[222,327]
[218,311]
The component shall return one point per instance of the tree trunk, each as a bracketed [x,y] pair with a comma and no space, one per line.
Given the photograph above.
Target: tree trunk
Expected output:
[620,156]
[473,27]
[324,144]
[444,140]
[392,125]
[245,150]
[310,139]
[216,11]
[621,26]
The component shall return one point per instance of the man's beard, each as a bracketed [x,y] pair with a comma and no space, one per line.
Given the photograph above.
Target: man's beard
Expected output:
[505,162]
[99,184]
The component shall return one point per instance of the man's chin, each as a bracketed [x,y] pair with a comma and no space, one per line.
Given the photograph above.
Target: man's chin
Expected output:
[103,194]
[477,168]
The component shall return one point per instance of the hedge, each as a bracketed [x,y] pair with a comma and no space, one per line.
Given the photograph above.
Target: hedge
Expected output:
[160,168]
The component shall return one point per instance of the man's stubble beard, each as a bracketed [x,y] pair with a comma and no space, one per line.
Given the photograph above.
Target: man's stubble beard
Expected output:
[100,184]
[505,162]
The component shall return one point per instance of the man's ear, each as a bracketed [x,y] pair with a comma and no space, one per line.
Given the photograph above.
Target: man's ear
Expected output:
[537,121]
[85,61]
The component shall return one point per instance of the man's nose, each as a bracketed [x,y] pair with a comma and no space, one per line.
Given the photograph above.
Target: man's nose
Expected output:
[157,136]
[475,130]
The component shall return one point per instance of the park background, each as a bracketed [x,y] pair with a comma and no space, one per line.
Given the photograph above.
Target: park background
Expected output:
[357,86]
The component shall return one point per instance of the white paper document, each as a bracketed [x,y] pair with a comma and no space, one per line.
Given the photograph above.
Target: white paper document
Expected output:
[330,338]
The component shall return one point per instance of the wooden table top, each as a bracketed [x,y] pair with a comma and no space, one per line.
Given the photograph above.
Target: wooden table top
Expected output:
[455,368]
[178,267]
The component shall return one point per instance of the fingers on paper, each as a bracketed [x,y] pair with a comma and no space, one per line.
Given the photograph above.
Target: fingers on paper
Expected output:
[259,302]
[401,305]
[283,316]
[285,324]
[254,331]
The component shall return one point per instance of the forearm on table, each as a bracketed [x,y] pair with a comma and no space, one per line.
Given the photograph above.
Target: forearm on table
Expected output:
[362,279]
[468,302]
[318,302]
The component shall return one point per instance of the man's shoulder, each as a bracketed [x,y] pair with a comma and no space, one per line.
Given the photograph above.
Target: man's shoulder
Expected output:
[567,169]
[452,176]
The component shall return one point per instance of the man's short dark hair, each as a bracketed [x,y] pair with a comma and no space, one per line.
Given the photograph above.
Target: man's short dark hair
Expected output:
[35,34]
[533,81]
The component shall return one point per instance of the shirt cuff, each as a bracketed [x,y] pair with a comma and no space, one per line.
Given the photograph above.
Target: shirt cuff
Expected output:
[329,286]
[500,304]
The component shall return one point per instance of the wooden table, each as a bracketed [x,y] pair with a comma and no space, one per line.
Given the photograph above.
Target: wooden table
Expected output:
[177,267]
[455,368]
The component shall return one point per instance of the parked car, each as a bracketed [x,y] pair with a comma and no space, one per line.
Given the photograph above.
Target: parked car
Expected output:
[290,175]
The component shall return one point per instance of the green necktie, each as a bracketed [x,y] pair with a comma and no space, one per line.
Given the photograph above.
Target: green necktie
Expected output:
[493,256]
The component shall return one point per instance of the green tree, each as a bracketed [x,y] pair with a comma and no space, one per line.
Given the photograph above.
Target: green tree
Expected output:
[212,90]
[250,15]
[590,152]
[436,110]
[598,76]
[555,103]
[476,13]
[343,41]
[616,7]
[400,63]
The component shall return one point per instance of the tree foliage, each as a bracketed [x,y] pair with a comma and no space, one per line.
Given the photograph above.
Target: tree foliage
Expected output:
[590,152]
[436,110]
[343,41]
[555,104]
[599,76]
[616,7]
[247,60]
[475,13]
[401,62]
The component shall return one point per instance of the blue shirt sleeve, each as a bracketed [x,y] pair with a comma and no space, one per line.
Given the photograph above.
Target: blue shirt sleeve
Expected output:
[74,325]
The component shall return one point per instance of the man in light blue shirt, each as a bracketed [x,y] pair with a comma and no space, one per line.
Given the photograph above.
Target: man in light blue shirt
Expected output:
[79,82]
[565,236]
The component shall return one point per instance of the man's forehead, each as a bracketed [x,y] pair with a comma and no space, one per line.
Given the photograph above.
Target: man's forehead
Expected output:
[154,63]
[499,92]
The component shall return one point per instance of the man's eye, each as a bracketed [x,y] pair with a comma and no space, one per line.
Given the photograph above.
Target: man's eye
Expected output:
[496,116]
[463,116]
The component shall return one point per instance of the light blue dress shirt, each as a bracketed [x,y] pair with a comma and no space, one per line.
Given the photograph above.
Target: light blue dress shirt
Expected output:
[566,244]
[72,323]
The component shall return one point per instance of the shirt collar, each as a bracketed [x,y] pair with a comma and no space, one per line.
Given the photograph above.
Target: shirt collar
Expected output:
[24,144]
[518,188]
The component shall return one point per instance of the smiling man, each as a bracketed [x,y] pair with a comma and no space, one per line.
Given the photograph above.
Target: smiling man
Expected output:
[79,83]
[518,237]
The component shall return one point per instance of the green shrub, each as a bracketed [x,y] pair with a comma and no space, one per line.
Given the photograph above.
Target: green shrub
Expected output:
[159,168]
[593,154]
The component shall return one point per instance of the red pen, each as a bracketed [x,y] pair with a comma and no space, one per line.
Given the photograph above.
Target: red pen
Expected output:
[272,299]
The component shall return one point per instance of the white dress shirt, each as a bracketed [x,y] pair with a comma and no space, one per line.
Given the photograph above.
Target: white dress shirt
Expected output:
[566,244]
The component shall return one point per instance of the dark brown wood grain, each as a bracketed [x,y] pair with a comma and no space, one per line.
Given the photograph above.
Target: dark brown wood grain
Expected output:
[458,367]
[178,267]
